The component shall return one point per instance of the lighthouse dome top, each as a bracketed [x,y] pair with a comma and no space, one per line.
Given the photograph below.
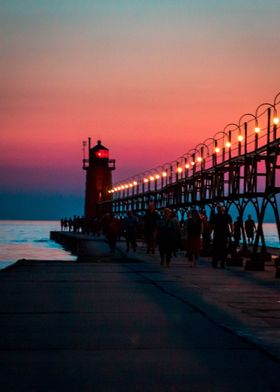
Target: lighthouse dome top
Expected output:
[99,146]
[99,151]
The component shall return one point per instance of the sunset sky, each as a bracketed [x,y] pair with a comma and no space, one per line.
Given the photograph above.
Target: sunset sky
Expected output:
[150,78]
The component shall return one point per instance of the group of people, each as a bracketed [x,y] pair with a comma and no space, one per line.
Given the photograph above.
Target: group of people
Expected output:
[75,223]
[167,232]
[197,232]
[78,224]
[170,235]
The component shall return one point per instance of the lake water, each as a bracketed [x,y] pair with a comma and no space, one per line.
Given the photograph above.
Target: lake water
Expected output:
[30,240]
[271,235]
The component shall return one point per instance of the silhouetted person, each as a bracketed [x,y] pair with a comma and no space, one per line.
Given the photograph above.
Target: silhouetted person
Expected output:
[166,237]
[177,234]
[237,229]
[222,227]
[111,230]
[194,229]
[130,226]
[250,229]
[206,231]
[150,220]
[70,224]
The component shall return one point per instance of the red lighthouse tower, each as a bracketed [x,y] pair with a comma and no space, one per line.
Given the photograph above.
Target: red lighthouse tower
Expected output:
[98,169]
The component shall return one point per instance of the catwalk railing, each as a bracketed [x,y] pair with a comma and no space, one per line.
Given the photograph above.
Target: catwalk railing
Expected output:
[238,166]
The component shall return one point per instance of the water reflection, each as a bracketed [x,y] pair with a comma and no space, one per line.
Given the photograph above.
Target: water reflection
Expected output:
[29,240]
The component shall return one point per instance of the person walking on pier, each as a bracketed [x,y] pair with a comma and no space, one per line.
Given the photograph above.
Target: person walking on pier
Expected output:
[130,226]
[166,237]
[222,228]
[206,232]
[150,220]
[194,229]
[237,230]
[111,230]
[177,242]
[250,229]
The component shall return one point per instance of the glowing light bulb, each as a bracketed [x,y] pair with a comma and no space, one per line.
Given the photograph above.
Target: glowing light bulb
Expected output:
[164,174]
[146,180]
[192,163]
[187,165]
[228,144]
[276,120]
[134,182]
[199,159]
[240,138]
[131,185]
[257,129]
[157,176]
[217,150]
[179,170]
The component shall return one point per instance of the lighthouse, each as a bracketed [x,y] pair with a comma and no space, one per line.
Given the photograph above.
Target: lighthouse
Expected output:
[98,169]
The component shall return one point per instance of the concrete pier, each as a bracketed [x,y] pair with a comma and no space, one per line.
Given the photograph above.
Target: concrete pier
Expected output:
[87,247]
[131,325]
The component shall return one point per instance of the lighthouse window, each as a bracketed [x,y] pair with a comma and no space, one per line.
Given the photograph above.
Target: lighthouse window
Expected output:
[102,154]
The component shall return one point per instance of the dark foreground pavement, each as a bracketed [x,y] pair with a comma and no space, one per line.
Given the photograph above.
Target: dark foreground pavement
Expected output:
[128,326]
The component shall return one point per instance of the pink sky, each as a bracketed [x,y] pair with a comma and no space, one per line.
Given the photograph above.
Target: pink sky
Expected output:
[151,79]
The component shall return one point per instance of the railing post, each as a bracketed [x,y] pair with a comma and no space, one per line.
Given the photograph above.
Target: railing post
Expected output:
[170,176]
[274,131]
[268,126]
[245,137]
[194,165]
[224,153]
[256,140]
[229,149]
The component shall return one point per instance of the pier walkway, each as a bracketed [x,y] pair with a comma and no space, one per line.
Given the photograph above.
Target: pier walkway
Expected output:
[118,322]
